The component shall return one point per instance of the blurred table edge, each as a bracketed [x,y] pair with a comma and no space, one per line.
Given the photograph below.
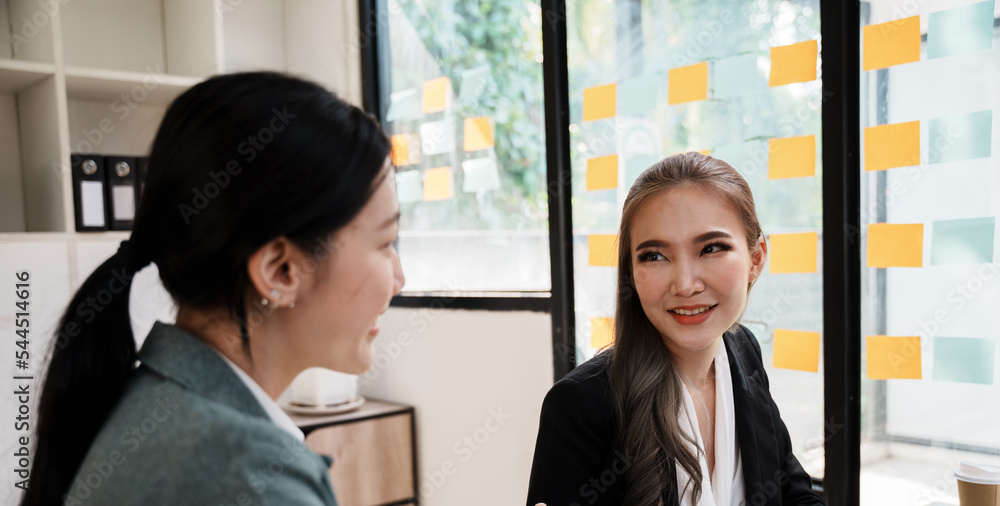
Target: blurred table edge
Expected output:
[372,408]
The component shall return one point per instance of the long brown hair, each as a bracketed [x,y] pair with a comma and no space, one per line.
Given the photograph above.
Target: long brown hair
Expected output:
[645,387]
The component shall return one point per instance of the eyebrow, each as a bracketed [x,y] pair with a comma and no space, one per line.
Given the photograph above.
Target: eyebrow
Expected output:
[707,236]
[392,220]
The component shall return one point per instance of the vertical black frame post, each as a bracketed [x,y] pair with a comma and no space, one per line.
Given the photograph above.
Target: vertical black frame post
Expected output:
[557,151]
[840,28]
[375,77]
[374,55]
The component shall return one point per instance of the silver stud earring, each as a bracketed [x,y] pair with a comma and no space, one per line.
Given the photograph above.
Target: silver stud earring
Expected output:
[263,301]
[275,294]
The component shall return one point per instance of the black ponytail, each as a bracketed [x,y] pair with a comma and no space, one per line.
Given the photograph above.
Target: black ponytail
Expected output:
[93,356]
[238,161]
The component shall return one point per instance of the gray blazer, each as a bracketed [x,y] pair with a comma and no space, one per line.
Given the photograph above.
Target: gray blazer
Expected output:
[187,431]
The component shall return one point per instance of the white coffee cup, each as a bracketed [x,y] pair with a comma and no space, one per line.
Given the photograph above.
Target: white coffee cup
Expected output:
[978,484]
[322,387]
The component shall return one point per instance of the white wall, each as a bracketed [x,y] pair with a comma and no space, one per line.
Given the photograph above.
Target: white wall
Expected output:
[458,368]
[58,265]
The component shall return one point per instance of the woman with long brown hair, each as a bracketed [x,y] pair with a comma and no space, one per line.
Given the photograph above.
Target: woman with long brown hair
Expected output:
[678,411]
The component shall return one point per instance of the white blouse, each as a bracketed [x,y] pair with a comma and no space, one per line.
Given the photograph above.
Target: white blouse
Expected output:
[274,412]
[726,486]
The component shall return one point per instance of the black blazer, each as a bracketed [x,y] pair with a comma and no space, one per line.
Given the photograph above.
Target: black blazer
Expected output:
[577,462]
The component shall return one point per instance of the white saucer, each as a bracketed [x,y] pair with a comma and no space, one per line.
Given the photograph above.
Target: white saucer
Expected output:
[324,410]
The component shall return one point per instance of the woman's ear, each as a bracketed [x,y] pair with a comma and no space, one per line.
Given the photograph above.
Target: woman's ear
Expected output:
[275,273]
[758,257]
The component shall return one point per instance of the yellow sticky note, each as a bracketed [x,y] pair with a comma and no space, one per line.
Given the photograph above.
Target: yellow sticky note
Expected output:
[602,332]
[795,349]
[603,250]
[794,63]
[891,43]
[437,94]
[400,150]
[893,357]
[478,133]
[889,146]
[896,245]
[439,184]
[791,157]
[687,84]
[794,252]
[406,149]
[602,172]
[599,102]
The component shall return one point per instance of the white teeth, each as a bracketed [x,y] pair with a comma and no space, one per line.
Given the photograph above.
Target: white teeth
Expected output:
[692,312]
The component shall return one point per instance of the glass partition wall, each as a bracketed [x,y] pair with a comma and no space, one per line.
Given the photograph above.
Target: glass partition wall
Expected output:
[461,91]
[736,80]
[462,84]
[930,88]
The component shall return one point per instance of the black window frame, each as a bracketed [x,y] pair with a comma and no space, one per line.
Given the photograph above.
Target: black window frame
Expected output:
[559,300]
[840,31]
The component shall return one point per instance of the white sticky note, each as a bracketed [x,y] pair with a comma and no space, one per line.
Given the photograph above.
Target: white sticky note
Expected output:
[481,174]
[409,187]
[123,200]
[475,82]
[92,197]
[437,137]
[403,105]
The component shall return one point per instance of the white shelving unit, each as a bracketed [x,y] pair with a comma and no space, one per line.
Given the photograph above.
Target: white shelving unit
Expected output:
[96,76]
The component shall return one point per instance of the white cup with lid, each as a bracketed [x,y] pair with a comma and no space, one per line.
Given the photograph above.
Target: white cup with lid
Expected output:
[978,484]
[321,387]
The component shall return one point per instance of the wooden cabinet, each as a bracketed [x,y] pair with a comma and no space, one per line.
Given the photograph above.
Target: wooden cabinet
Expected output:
[373,450]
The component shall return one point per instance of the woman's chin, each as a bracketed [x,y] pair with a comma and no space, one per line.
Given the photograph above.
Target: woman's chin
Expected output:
[356,369]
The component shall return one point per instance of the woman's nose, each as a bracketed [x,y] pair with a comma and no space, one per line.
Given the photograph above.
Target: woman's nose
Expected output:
[686,280]
[400,278]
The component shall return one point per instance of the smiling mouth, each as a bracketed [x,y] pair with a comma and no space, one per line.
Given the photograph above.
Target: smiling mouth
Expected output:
[692,312]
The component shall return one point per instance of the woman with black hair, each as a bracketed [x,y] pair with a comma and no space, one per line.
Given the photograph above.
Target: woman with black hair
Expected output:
[270,211]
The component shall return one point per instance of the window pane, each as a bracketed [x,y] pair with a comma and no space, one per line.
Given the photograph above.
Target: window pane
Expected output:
[738,80]
[465,113]
[930,188]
